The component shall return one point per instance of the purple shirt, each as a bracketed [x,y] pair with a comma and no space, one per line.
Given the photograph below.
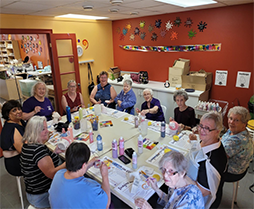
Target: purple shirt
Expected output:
[159,116]
[186,117]
[32,102]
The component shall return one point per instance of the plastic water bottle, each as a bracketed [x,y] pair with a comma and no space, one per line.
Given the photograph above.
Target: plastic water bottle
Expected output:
[99,143]
[91,136]
[68,113]
[121,146]
[163,129]
[114,149]
[140,144]
[134,160]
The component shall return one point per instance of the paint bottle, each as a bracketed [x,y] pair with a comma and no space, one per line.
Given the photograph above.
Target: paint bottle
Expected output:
[217,107]
[140,144]
[80,111]
[99,143]
[91,136]
[121,146]
[134,160]
[136,121]
[114,148]
[68,113]
[163,126]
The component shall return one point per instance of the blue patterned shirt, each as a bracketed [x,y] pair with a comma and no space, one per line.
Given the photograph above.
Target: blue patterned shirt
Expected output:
[189,197]
[239,148]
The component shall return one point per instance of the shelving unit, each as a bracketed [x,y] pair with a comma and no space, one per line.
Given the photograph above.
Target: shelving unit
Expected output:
[9,50]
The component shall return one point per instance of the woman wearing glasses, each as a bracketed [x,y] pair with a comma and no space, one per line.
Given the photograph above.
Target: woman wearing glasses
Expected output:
[238,144]
[182,191]
[72,98]
[207,163]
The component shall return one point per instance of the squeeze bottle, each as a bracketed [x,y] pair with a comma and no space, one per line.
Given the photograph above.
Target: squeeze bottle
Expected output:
[68,113]
[91,136]
[140,144]
[99,143]
[121,146]
[162,129]
[134,160]
[114,148]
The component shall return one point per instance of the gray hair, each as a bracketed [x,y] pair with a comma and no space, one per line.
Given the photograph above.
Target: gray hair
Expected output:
[242,111]
[216,117]
[177,159]
[33,129]
[150,90]
[71,81]
[128,82]
[35,86]
[181,93]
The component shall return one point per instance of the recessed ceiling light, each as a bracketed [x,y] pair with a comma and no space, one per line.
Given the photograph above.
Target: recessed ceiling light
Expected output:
[116,2]
[88,8]
[188,3]
[75,16]
[114,10]
[133,13]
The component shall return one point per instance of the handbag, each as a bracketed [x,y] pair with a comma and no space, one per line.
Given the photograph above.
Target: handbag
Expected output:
[90,79]
[135,77]
[143,77]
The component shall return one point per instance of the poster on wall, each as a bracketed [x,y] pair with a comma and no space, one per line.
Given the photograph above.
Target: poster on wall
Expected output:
[243,79]
[221,77]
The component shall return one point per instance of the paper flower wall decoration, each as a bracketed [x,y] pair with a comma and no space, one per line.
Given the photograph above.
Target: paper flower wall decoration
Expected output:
[128,26]
[192,33]
[118,30]
[188,22]
[154,37]
[177,22]
[158,23]
[163,33]
[173,35]
[202,26]
[121,37]
[132,37]
[142,24]
[143,35]
[169,25]
[125,30]
[136,31]
[150,28]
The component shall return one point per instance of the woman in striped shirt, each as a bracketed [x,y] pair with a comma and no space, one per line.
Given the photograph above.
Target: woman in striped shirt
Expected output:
[38,163]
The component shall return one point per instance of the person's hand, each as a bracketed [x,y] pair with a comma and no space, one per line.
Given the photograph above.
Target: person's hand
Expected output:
[138,110]
[192,137]
[142,203]
[171,119]
[144,112]
[37,109]
[181,127]
[104,169]
[152,182]
[92,161]
[74,109]
[57,150]
[119,103]
[99,102]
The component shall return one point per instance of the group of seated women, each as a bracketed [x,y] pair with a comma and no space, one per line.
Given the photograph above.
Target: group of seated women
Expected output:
[210,164]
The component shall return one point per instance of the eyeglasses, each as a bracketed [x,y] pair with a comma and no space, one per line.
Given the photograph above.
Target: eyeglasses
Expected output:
[169,173]
[205,128]
[72,86]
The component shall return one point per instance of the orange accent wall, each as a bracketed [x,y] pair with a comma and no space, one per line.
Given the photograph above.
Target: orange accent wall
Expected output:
[231,26]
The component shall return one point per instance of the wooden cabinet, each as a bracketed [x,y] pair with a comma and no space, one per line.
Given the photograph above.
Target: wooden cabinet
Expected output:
[9,50]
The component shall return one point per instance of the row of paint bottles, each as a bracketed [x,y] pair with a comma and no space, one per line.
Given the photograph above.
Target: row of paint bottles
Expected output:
[114,147]
[207,106]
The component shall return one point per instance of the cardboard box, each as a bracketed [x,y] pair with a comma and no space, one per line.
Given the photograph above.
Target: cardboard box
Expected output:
[174,80]
[183,64]
[198,80]
[114,73]
[178,70]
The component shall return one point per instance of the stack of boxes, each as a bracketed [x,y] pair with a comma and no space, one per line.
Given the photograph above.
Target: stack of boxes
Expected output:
[114,73]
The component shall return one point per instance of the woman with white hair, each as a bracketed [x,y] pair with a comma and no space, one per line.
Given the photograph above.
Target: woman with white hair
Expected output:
[151,108]
[207,163]
[38,104]
[72,98]
[126,99]
[38,163]
[182,191]
[238,144]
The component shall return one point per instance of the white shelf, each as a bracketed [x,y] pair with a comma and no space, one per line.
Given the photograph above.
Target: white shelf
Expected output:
[85,61]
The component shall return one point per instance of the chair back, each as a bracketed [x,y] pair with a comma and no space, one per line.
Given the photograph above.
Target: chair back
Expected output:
[164,109]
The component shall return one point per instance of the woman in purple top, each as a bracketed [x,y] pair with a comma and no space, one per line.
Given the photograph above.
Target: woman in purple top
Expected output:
[183,114]
[151,108]
[38,104]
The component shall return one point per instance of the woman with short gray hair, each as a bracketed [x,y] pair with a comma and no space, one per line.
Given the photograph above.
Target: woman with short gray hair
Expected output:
[182,189]
[151,108]
[126,99]
[38,163]
[183,114]
[238,144]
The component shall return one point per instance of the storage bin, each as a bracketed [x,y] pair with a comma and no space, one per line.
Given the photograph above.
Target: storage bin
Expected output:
[26,86]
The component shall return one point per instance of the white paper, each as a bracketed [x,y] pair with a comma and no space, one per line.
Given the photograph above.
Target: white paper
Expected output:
[243,79]
[221,77]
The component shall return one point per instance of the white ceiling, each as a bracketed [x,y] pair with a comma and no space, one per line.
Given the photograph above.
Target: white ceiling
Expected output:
[101,7]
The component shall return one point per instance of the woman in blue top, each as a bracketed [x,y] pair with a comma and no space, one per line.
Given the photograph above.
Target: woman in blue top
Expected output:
[126,99]
[103,93]
[151,108]
[182,191]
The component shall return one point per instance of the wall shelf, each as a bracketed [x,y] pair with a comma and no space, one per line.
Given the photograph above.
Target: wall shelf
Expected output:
[85,61]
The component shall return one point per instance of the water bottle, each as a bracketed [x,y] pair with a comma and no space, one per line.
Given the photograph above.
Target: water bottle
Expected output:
[121,146]
[114,149]
[68,113]
[140,144]
[163,129]
[91,136]
[134,160]
[99,143]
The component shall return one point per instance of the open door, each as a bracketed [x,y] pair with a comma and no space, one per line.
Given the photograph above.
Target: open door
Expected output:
[66,66]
